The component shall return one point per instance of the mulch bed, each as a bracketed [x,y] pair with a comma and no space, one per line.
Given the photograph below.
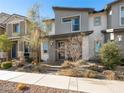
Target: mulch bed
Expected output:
[10,87]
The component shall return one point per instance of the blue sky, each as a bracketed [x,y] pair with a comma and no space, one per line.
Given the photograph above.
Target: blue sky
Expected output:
[22,6]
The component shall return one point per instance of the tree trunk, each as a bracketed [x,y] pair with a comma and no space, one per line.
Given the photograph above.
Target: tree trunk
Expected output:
[7,57]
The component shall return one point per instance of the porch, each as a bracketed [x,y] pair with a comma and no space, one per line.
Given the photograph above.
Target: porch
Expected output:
[62,44]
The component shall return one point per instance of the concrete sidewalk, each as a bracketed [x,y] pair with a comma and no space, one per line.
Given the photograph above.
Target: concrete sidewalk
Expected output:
[63,82]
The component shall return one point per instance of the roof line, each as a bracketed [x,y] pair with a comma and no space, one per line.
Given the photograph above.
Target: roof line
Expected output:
[73,8]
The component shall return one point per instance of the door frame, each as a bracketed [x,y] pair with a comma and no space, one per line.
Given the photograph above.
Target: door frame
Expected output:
[57,56]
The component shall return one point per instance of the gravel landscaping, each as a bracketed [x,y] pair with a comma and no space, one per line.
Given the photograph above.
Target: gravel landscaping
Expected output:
[10,87]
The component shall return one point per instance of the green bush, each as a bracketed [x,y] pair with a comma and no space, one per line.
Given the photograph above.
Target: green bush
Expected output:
[110,55]
[6,65]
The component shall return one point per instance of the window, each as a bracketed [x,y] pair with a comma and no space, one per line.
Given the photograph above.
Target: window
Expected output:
[45,47]
[26,47]
[119,38]
[16,28]
[122,15]
[65,20]
[76,24]
[49,27]
[97,21]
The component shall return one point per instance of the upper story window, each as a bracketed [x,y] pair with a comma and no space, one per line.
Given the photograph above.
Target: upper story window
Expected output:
[65,20]
[122,15]
[97,21]
[49,27]
[16,28]
[75,22]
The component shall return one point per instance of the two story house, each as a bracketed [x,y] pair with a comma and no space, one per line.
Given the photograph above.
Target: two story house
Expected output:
[16,28]
[98,28]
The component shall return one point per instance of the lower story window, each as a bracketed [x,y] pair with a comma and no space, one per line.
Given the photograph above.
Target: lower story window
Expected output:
[45,47]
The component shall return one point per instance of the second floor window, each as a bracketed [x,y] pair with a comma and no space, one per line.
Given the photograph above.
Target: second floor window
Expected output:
[66,20]
[76,24]
[97,21]
[122,15]
[16,28]
[49,27]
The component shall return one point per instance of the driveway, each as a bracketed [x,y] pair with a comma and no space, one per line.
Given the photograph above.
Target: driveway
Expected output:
[64,82]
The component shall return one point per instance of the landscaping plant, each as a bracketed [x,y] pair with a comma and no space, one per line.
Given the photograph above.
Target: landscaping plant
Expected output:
[110,55]
[5,44]
[6,65]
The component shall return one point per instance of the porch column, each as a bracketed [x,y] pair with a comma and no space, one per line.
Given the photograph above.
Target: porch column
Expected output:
[85,48]
[20,48]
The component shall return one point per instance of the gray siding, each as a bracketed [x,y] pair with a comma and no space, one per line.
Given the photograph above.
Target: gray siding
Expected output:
[115,18]
[2,31]
[109,19]
[121,43]
[22,27]
[9,29]
[62,28]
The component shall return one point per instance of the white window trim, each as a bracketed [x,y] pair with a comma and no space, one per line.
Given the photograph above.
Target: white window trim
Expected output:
[120,15]
[71,22]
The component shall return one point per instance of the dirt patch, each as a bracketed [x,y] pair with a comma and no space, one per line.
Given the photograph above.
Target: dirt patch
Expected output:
[10,87]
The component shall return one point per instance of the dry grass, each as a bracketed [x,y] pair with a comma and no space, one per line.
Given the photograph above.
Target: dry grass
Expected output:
[73,72]
[110,75]
[70,64]
[70,72]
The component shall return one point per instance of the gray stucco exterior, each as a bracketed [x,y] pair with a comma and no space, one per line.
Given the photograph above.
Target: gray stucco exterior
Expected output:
[114,18]
[110,19]
[62,28]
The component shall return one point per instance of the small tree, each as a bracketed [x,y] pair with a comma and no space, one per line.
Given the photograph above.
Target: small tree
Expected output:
[73,48]
[5,44]
[110,55]
[36,29]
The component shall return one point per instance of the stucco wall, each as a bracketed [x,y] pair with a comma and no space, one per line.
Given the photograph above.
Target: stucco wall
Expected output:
[62,28]
[96,35]
[115,18]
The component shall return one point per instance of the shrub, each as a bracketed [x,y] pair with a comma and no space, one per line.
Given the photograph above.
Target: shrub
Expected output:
[80,62]
[89,74]
[75,72]
[70,72]
[96,68]
[40,67]
[110,55]
[6,65]
[22,87]
[67,64]
[29,60]
[110,75]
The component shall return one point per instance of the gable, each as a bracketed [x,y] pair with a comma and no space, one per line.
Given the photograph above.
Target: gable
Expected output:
[14,19]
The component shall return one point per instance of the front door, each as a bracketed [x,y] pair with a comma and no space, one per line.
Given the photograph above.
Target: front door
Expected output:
[60,50]
[14,50]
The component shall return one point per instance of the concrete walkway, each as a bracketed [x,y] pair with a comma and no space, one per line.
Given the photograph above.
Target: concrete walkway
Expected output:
[63,82]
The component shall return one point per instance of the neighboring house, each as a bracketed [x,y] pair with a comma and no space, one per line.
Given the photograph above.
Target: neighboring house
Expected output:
[2,29]
[98,27]
[16,28]
[49,26]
